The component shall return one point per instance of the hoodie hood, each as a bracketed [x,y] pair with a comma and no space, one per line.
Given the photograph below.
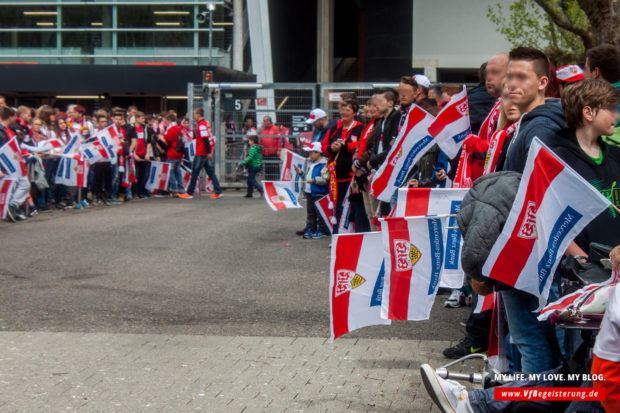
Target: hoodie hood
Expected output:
[551,111]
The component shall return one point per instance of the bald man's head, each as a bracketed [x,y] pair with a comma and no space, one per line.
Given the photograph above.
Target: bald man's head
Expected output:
[495,74]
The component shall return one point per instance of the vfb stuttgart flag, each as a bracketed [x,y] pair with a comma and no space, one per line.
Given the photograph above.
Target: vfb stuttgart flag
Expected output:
[413,251]
[552,206]
[412,142]
[451,126]
[438,201]
[12,160]
[281,195]
[159,173]
[290,160]
[355,282]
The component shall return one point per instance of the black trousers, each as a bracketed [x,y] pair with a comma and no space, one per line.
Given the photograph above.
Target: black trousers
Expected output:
[102,179]
[142,173]
[478,326]
[314,219]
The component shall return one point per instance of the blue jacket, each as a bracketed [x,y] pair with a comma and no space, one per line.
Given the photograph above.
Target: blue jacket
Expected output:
[543,122]
[319,186]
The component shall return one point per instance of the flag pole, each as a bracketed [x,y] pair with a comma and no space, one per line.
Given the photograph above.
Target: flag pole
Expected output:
[423,217]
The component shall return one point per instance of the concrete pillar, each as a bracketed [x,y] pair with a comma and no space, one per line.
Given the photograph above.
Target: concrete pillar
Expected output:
[237,35]
[325,41]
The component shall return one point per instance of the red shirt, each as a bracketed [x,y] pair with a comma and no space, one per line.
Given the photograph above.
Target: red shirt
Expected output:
[171,141]
[203,132]
[141,145]
[271,141]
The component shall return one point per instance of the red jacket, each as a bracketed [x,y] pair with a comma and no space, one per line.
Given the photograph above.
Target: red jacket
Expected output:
[271,141]
[203,138]
[171,140]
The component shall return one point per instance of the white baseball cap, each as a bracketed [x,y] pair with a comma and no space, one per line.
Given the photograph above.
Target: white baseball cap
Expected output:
[315,115]
[422,81]
[313,147]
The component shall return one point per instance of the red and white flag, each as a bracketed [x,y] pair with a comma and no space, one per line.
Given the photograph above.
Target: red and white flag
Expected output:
[323,206]
[412,142]
[108,137]
[496,352]
[575,299]
[355,282]
[93,151]
[129,173]
[6,189]
[159,174]
[346,225]
[72,171]
[191,149]
[451,126]
[280,195]
[73,147]
[438,201]
[45,146]
[413,251]
[12,160]
[290,160]
[552,206]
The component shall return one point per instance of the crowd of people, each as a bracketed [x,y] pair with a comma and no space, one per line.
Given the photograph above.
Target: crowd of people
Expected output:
[520,96]
[44,135]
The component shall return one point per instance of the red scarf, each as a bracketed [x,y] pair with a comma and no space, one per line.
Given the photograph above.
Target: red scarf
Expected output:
[496,143]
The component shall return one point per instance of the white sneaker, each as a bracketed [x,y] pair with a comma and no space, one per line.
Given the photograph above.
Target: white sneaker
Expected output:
[450,396]
[456,299]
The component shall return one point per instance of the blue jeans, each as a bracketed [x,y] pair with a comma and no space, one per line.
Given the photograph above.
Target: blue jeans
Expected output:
[175,183]
[211,174]
[527,332]
[252,182]
[197,165]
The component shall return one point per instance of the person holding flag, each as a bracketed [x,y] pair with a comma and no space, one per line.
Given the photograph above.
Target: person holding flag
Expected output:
[140,149]
[315,187]
[13,168]
[340,144]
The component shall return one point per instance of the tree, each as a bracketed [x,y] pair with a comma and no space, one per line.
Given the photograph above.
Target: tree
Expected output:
[564,29]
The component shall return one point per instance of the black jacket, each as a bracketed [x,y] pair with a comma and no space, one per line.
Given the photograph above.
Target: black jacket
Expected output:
[604,177]
[543,122]
[386,132]
[480,104]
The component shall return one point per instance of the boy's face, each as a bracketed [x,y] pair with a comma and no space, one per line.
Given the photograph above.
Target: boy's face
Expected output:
[118,121]
[141,120]
[523,83]
[102,122]
[603,120]
[315,156]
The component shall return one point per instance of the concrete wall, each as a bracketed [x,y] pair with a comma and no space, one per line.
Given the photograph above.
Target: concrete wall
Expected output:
[454,34]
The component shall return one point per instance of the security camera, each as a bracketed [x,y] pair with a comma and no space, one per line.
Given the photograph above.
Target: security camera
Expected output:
[202,16]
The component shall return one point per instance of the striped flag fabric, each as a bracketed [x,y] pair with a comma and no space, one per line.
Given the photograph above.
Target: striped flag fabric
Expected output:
[159,174]
[290,160]
[438,201]
[191,150]
[93,151]
[552,206]
[412,142]
[6,189]
[73,146]
[12,160]
[323,206]
[574,299]
[451,126]
[356,282]
[413,254]
[346,226]
[281,195]
[496,352]
[72,171]
[45,146]
[109,139]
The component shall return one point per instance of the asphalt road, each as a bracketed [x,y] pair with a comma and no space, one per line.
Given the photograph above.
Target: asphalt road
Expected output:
[171,266]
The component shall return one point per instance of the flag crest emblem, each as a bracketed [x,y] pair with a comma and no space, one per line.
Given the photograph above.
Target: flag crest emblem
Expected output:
[347,280]
[407,255]
[528,228]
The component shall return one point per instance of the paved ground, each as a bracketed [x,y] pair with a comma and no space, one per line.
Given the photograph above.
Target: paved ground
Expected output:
[183,305]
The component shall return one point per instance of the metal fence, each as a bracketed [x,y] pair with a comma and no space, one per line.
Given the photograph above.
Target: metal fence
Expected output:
[232,108]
